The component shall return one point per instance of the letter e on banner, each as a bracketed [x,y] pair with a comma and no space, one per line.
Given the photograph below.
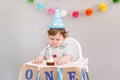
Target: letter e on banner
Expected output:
[72,73]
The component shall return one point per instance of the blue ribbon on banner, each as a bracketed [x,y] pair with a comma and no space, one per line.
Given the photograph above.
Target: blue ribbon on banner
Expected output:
[38,75]
[60,76]
[83,74]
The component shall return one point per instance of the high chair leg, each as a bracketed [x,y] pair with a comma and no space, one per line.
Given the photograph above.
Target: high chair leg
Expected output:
[87,74]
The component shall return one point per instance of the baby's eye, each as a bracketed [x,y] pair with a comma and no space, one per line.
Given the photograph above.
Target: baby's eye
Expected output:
[52,39]
[57,39]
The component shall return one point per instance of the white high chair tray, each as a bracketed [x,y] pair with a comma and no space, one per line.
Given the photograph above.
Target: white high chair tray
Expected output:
[79,63]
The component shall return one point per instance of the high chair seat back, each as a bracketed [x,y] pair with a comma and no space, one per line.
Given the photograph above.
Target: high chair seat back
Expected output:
[76,48]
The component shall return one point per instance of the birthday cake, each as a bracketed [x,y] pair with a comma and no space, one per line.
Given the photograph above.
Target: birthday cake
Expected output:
[50,62]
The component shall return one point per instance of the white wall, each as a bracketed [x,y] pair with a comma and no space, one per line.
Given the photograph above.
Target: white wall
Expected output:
[23,33]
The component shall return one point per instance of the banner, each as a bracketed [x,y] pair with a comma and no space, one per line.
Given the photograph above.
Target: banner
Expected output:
[29,72]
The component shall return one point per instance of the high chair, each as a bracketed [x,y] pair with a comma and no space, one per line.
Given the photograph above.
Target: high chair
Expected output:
[77,61]
[78,58]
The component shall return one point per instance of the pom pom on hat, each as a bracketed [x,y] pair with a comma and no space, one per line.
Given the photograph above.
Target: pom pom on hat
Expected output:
[57,21]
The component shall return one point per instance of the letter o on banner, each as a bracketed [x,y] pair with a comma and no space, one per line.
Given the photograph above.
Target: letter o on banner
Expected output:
[28,72]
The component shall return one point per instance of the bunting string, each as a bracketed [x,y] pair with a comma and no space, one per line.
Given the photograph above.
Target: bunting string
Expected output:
[41,5]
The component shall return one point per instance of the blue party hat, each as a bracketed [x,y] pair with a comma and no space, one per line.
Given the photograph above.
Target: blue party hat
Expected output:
[57,21]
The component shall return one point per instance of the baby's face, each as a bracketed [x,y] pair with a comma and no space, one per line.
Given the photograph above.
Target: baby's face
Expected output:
[56,40]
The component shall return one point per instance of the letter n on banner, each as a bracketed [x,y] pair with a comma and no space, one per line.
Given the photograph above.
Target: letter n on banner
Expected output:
[28,72]
[48,73]
[72,73]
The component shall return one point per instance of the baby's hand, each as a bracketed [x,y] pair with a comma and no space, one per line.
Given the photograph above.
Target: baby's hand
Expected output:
[38,59]
[60,61]
[63,60]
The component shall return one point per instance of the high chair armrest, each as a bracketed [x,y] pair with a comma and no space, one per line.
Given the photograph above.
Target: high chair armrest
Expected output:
[81,62]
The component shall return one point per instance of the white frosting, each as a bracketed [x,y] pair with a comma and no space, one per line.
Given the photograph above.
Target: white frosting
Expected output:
[50,60]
